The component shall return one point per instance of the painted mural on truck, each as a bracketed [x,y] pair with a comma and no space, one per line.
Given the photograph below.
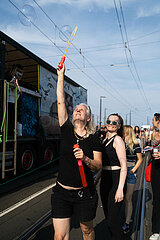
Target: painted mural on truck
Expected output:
[48,112]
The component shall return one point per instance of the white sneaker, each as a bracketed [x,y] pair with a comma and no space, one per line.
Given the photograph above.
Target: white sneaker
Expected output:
[155,236]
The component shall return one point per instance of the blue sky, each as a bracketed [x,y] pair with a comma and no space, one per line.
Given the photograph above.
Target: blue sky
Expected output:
[126,74]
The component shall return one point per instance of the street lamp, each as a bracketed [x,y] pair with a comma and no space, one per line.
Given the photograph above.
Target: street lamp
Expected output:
[100,111]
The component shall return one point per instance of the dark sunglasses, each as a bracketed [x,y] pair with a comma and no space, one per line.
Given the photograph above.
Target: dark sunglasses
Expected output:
[112,122]
[157,114]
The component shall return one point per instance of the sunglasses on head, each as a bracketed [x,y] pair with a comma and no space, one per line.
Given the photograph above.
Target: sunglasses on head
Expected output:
[112,122]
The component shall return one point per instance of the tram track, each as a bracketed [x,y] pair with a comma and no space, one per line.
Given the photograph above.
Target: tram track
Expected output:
[32,230]
[25,205]
[23,201]
[21,181]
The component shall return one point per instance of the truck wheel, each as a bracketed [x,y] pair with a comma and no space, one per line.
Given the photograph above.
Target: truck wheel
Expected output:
[48,153]
[27,160]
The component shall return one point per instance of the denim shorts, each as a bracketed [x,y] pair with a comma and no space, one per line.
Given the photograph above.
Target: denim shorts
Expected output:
[80,203]
[131,177]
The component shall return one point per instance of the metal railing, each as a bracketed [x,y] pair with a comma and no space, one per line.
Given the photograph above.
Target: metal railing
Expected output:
[143,210]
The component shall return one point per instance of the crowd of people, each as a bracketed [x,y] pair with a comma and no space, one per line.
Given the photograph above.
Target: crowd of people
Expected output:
[115,154]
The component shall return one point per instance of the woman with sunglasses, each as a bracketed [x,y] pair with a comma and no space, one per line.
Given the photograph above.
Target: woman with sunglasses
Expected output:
[113,176]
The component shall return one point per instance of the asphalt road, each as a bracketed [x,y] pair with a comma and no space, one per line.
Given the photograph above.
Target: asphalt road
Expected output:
[17,221]
[100,226]
[22,202]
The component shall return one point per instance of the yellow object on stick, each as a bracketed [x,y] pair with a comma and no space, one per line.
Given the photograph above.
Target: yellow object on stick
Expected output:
[60,65]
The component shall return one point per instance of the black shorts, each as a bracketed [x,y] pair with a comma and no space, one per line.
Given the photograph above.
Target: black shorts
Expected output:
[79,203]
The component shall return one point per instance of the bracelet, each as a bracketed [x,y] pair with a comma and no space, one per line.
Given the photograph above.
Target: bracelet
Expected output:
[89,161]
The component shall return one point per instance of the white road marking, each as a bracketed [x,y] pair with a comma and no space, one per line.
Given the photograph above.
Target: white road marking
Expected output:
[4,212]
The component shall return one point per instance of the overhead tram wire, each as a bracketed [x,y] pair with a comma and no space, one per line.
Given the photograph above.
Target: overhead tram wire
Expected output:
[112,44]
[132,55]
[124,43]
[78,51]
[105,65]
[82,54]
[146,35]
[120,27]
[104,89]
[145,43]
[131,40]
[84,57]
[99,48]
[105,49]
[114,48]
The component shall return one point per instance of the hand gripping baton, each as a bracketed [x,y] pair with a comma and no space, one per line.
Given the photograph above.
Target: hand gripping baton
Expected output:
[81,169]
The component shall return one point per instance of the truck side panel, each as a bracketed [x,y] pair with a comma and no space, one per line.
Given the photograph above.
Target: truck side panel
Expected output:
[48,111]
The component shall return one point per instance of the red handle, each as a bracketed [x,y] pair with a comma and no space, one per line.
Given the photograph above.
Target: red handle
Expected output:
[76,145]
[81,169]
[60,65]
[82,174]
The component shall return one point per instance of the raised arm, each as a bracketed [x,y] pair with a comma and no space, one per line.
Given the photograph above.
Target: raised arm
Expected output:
[62,111]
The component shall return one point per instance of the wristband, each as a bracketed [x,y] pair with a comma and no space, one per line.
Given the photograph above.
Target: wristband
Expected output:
[89,161]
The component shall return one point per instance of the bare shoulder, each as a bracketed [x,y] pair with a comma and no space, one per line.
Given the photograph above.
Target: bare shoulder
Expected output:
[118,140]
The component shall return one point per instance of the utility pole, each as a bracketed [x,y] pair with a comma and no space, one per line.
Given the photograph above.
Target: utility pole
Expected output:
[126,119]
[130,117]
[100,121]
[105,113]
[93,118]
[97,121]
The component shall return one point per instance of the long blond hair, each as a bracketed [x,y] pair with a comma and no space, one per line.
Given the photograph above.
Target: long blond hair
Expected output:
[129,137]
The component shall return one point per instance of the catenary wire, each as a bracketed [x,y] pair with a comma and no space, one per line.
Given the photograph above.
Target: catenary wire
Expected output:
[119,100]
[83,55]
[125,29]
[141,90]
[105,49]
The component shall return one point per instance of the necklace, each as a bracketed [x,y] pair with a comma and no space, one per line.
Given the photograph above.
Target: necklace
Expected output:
[78,137]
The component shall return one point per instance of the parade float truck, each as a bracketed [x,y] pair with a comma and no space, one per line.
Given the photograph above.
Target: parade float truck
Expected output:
[29,130]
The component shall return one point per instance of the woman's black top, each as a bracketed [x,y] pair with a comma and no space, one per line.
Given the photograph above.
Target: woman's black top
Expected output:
[132,155]
[68,167]
[109,155]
